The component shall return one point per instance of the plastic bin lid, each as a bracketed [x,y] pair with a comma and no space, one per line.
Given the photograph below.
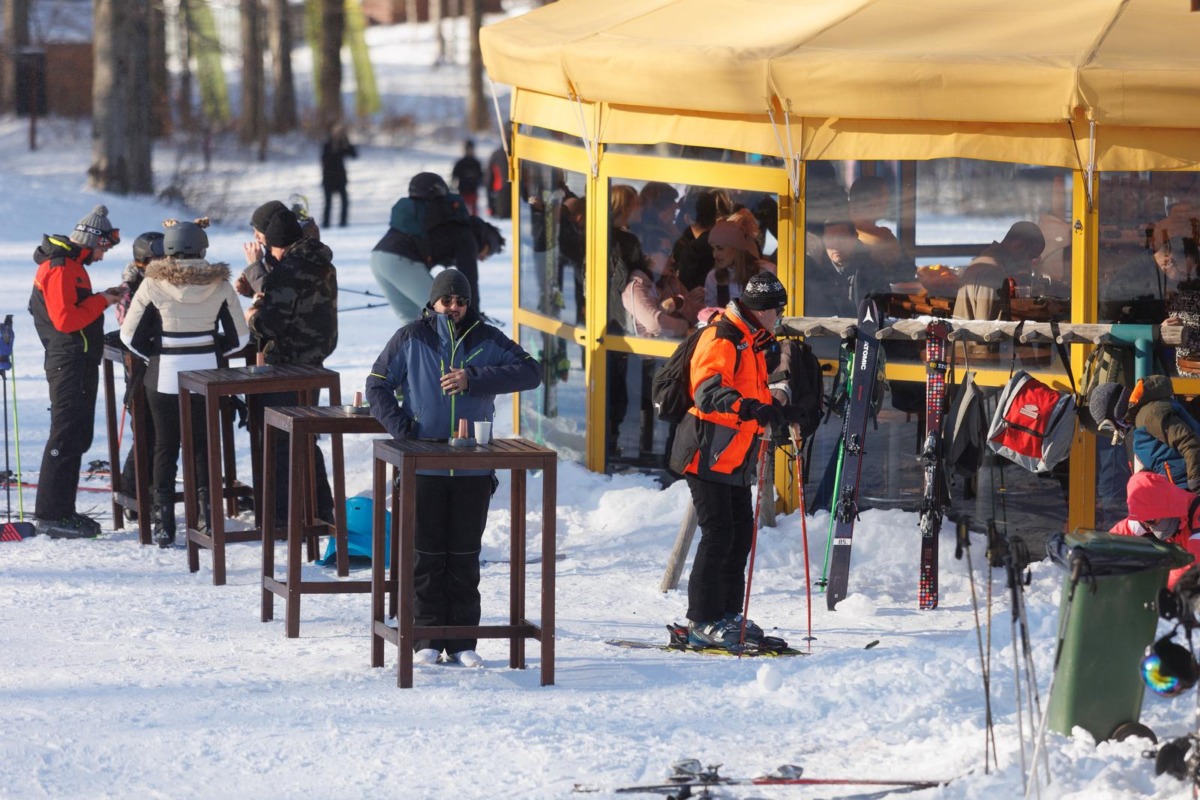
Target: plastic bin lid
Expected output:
[1113,554]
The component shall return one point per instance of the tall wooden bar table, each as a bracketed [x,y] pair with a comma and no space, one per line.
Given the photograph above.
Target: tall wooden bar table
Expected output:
[405,458]
[304,424]
[212,385]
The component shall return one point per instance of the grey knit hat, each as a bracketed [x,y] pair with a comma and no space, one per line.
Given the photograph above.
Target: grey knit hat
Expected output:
[450,281]
[95,230]
[1109,401]
[764,292]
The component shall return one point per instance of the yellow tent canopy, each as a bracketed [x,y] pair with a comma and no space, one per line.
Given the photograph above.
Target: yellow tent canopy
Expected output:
[911,79]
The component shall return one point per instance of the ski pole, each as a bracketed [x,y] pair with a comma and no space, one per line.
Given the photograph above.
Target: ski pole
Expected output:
[1040,742]
[17,438]
[7,469]
[762,474]
[989,738]
[798,443]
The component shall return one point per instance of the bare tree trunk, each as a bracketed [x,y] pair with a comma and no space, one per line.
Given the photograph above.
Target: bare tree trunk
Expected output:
[333,27]
[121,139]
[184,101]
[435,22]
[279,37]
[477,110]
[16,37]
[252,126]
[160,81]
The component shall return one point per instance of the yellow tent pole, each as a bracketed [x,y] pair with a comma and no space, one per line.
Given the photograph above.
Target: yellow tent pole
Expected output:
[1085,249]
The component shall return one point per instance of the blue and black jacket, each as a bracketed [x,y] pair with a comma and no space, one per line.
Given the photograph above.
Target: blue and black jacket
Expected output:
[404,387]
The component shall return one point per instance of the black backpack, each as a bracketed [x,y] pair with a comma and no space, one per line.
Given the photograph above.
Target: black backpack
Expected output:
[671,390]
[800,370]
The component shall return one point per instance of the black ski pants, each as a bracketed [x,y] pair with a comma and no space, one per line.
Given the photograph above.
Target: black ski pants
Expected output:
[451,517]
[164,410]
[717,585]
[73,380]
[283,464]
[341,192]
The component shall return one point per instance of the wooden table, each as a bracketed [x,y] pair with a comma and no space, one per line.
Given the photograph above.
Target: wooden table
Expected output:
[405,458]
[304,424]
[213,385]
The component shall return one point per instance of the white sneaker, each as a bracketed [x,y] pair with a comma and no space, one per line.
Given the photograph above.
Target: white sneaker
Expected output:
[468,658]
[426,658]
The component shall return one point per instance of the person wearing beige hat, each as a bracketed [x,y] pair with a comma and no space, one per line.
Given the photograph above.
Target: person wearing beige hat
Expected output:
[736,258]
[69,318]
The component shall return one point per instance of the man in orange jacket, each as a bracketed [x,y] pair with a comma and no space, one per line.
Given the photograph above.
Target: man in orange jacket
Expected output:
[69,318]
[716,450]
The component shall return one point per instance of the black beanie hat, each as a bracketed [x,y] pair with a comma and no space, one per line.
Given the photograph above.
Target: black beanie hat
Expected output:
[262,215]
[450,281]
[284,229]
[764,292]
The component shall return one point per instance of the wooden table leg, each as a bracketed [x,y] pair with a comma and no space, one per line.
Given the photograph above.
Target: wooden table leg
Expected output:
[516,577]
[189,479]
[549,565]
[404,578]
[378,557]
[297,478]
[268,541]
[212,428]
[339,507]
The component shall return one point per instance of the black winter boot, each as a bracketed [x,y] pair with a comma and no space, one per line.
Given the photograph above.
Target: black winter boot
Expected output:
[164,524]
[204,522]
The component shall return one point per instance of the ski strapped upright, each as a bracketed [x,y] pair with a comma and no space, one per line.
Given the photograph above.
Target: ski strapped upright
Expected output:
[860,393]
[937,364]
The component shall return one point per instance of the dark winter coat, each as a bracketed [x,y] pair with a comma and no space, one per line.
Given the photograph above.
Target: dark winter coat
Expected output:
[183,315]
[333,162]
[68,315]
[297,316]
[411,365]
[467,174]
[1166,438]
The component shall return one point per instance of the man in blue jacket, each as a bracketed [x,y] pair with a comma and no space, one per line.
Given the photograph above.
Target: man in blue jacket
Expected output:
[448,365]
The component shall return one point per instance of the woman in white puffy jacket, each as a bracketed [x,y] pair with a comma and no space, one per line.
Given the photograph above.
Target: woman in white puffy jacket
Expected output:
[184,314]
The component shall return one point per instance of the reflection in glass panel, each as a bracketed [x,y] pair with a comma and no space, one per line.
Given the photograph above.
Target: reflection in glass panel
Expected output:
[552,250]
[663,268]
[637,439]
[1149,228]
[680,151]
[554,414]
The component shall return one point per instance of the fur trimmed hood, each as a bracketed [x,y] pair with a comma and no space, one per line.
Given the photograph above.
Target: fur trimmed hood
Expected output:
[187,271]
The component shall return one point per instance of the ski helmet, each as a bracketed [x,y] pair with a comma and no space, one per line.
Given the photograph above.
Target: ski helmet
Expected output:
[148,246]
[185,240]
[427,186]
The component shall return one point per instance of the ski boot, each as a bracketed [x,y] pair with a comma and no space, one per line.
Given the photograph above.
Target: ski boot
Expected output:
[164,524]
[73,526]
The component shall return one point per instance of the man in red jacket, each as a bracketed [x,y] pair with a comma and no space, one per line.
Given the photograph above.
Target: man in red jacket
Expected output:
[69,318]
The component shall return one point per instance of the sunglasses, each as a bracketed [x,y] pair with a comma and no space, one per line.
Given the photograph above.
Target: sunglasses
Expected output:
[453,300]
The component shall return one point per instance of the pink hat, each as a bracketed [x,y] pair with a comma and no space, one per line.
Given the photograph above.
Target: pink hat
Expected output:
[730,234]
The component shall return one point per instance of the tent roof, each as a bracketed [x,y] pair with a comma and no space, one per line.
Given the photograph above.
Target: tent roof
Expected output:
[1127,63]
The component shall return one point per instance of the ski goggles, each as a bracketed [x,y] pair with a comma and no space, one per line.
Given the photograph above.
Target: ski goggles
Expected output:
[1163,528]
[109,238]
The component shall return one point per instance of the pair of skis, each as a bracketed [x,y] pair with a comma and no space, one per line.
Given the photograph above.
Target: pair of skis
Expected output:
[860,392]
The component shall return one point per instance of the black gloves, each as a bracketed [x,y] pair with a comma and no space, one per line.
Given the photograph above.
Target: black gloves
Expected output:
[765,414]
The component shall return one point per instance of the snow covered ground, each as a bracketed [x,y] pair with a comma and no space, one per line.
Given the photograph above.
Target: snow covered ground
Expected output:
[122,675]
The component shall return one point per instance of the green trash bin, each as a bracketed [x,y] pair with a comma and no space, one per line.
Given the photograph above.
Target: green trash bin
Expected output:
[1112,620]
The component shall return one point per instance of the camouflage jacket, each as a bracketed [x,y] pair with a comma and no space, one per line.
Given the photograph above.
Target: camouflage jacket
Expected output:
[297,318]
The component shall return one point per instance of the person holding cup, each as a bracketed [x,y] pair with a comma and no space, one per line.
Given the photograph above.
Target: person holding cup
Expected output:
[448,366]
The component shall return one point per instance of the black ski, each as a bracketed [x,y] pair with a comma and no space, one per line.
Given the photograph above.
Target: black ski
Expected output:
[854,433]
[768,646]
[937,364]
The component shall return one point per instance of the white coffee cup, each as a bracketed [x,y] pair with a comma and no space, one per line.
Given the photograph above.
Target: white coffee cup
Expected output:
[483,432]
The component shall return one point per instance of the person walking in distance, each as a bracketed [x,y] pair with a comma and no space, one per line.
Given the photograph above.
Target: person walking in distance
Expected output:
[69,318]
[448,366]
[184,314]
[716,449]
[468,176]
[334,152]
